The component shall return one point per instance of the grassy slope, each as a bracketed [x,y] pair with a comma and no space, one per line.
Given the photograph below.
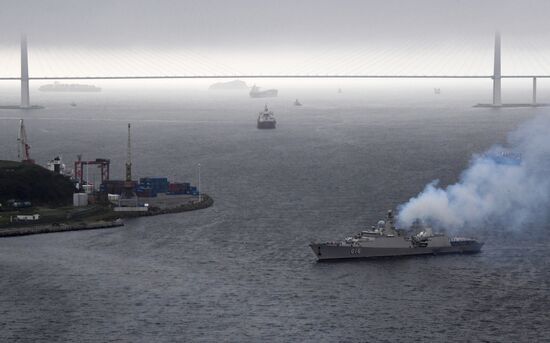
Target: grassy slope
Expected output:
[33,183]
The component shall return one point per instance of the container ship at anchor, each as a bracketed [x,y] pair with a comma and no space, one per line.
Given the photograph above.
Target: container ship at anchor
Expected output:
[387,241]
[255,92]
[68,87]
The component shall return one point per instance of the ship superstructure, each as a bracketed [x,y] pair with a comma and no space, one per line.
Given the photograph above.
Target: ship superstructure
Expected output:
[57,166]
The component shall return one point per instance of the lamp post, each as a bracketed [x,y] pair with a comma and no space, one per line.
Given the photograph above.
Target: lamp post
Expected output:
[199,185]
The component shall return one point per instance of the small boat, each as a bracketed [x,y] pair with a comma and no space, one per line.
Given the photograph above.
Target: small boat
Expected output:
[73,104]
[297,103]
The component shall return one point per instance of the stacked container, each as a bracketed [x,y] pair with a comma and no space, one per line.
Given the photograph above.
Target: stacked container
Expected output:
[157,184]
[115,186]
[145,192]
[178,187]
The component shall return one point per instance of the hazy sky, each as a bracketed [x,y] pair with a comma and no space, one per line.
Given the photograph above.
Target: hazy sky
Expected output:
[265,23]
[260,36]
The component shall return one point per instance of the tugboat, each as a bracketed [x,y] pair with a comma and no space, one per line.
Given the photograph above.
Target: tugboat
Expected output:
[297,103]
[255,92]
[266,120]
[385,240]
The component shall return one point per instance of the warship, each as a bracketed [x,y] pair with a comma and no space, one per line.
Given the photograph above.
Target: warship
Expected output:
[385,240]
[255,92]
[266,120]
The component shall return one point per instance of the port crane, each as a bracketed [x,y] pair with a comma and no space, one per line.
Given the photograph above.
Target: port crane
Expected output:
[23,146]
[128,184]
[102,163]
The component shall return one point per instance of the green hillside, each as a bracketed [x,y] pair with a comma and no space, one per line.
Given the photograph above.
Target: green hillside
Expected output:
[34,183]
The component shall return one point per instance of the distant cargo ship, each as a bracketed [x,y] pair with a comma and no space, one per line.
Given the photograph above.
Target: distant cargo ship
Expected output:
[229,85]
[255,92]
[266,119]
[68,87]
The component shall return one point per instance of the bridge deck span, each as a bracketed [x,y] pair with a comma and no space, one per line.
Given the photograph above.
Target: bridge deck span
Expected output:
[275,77]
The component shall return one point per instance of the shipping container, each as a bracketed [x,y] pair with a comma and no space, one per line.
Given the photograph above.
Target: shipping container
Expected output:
[178,187]
[159,185]
[145,192]
[115,186]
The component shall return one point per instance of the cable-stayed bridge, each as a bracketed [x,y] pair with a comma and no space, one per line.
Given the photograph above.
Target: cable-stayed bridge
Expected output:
[352,62]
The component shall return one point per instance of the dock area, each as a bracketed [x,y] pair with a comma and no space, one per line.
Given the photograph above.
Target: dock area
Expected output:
[164,204]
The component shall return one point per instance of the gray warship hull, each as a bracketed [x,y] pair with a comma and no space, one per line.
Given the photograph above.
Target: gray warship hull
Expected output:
[266,124]
[327,252]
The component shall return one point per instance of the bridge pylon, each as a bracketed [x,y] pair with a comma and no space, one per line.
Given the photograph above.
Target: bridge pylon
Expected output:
[534,90]
[497,76]
[25,97]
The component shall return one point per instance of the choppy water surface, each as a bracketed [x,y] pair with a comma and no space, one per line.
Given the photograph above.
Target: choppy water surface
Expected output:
[241,270]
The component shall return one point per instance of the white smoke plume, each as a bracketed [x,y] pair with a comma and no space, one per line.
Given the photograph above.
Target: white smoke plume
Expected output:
[506,186]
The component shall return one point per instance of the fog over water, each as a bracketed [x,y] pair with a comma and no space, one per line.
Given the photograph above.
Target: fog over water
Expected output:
[242,270]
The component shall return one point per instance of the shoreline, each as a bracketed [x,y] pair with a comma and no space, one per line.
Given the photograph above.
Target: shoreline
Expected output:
[40,229]
[206,202]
